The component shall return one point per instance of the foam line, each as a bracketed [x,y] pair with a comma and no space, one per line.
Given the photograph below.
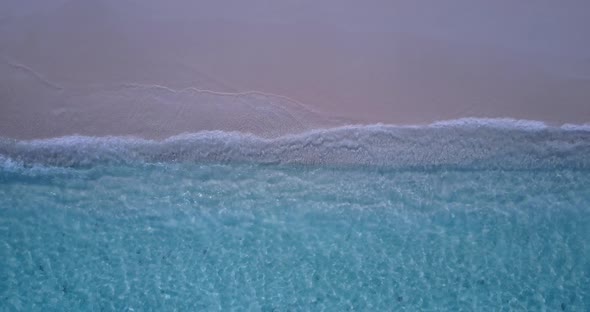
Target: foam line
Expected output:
[219,93]
[576,127]
[34,74]
[507,123]
[491,144]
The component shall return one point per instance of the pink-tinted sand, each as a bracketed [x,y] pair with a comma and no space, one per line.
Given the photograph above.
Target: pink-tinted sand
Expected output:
[145,68]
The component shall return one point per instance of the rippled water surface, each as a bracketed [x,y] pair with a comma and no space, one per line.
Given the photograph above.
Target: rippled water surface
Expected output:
[465,215]
[200,237]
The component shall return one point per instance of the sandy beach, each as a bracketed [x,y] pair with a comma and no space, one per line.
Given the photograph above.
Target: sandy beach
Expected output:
[147,69]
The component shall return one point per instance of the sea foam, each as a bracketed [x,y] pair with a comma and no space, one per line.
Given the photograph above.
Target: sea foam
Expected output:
[463,143]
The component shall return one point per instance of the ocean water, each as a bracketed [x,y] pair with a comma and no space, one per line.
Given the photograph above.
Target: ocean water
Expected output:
[463,216]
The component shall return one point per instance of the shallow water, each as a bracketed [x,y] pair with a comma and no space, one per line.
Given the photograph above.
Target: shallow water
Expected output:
[202,236]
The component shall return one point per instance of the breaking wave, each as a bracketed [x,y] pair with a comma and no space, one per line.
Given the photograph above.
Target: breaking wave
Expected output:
[462,143]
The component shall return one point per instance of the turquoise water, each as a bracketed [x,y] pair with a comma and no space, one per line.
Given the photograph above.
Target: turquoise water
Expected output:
[128,226]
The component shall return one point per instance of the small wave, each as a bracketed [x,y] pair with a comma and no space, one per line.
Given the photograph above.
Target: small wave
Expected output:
[574,127]
[502,123]
[463,143]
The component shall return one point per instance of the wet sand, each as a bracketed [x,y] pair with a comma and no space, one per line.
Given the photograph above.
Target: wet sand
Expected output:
[153,70]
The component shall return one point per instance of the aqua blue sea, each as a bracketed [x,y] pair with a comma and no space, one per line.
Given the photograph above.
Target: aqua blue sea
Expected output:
[379,218]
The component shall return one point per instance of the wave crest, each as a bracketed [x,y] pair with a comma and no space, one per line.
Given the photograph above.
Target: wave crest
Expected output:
[463,143]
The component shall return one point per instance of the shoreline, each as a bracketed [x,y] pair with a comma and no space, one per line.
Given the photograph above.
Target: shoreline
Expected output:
[35,106]
[464,123]
[463,143]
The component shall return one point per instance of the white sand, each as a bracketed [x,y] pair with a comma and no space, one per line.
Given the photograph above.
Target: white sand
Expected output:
[150,69]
